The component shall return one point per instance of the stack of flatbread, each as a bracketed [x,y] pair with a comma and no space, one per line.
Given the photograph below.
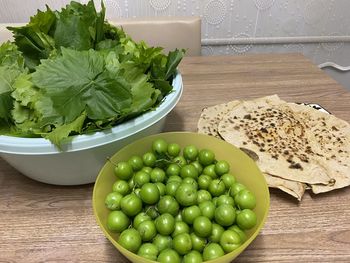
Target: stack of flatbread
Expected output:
[295,146]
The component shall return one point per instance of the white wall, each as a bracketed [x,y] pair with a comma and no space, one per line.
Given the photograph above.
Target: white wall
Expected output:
[226,21]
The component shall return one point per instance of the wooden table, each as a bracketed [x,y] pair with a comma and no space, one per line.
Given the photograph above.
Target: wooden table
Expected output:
[44,223]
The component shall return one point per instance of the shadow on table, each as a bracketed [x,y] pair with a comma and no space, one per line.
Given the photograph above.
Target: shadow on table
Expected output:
[174,122]
[282,196]
[15,184]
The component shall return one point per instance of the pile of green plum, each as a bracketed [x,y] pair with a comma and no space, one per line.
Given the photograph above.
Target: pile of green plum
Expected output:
[173,207]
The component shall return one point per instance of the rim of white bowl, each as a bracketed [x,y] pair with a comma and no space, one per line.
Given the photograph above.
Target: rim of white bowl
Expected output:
[41,146]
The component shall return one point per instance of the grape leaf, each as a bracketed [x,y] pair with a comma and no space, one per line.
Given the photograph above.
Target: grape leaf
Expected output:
[79,26]
[31,104]
[24,90]
[20,113]
[7,77]
[144,94]
[78,81]
[62,132]
[174,58]
[34,39]
[10,56]
[11,65]
[163,69]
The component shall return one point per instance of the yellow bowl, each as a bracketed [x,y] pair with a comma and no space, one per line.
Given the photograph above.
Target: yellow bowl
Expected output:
[242,167]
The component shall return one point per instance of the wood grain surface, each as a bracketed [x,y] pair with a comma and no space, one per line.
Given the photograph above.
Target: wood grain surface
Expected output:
[44,223]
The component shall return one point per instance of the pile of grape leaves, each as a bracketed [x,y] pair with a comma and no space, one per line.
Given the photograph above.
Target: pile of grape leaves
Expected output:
[70,72]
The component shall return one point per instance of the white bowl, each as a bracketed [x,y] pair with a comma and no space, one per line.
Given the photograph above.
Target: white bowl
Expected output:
[82,157]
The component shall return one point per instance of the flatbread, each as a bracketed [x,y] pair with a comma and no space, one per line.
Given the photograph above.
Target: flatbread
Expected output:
[293,188]
[294,142]
[264,128]
[208,124]
[211,116]
[296,147]
[329,139]
[332,141]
